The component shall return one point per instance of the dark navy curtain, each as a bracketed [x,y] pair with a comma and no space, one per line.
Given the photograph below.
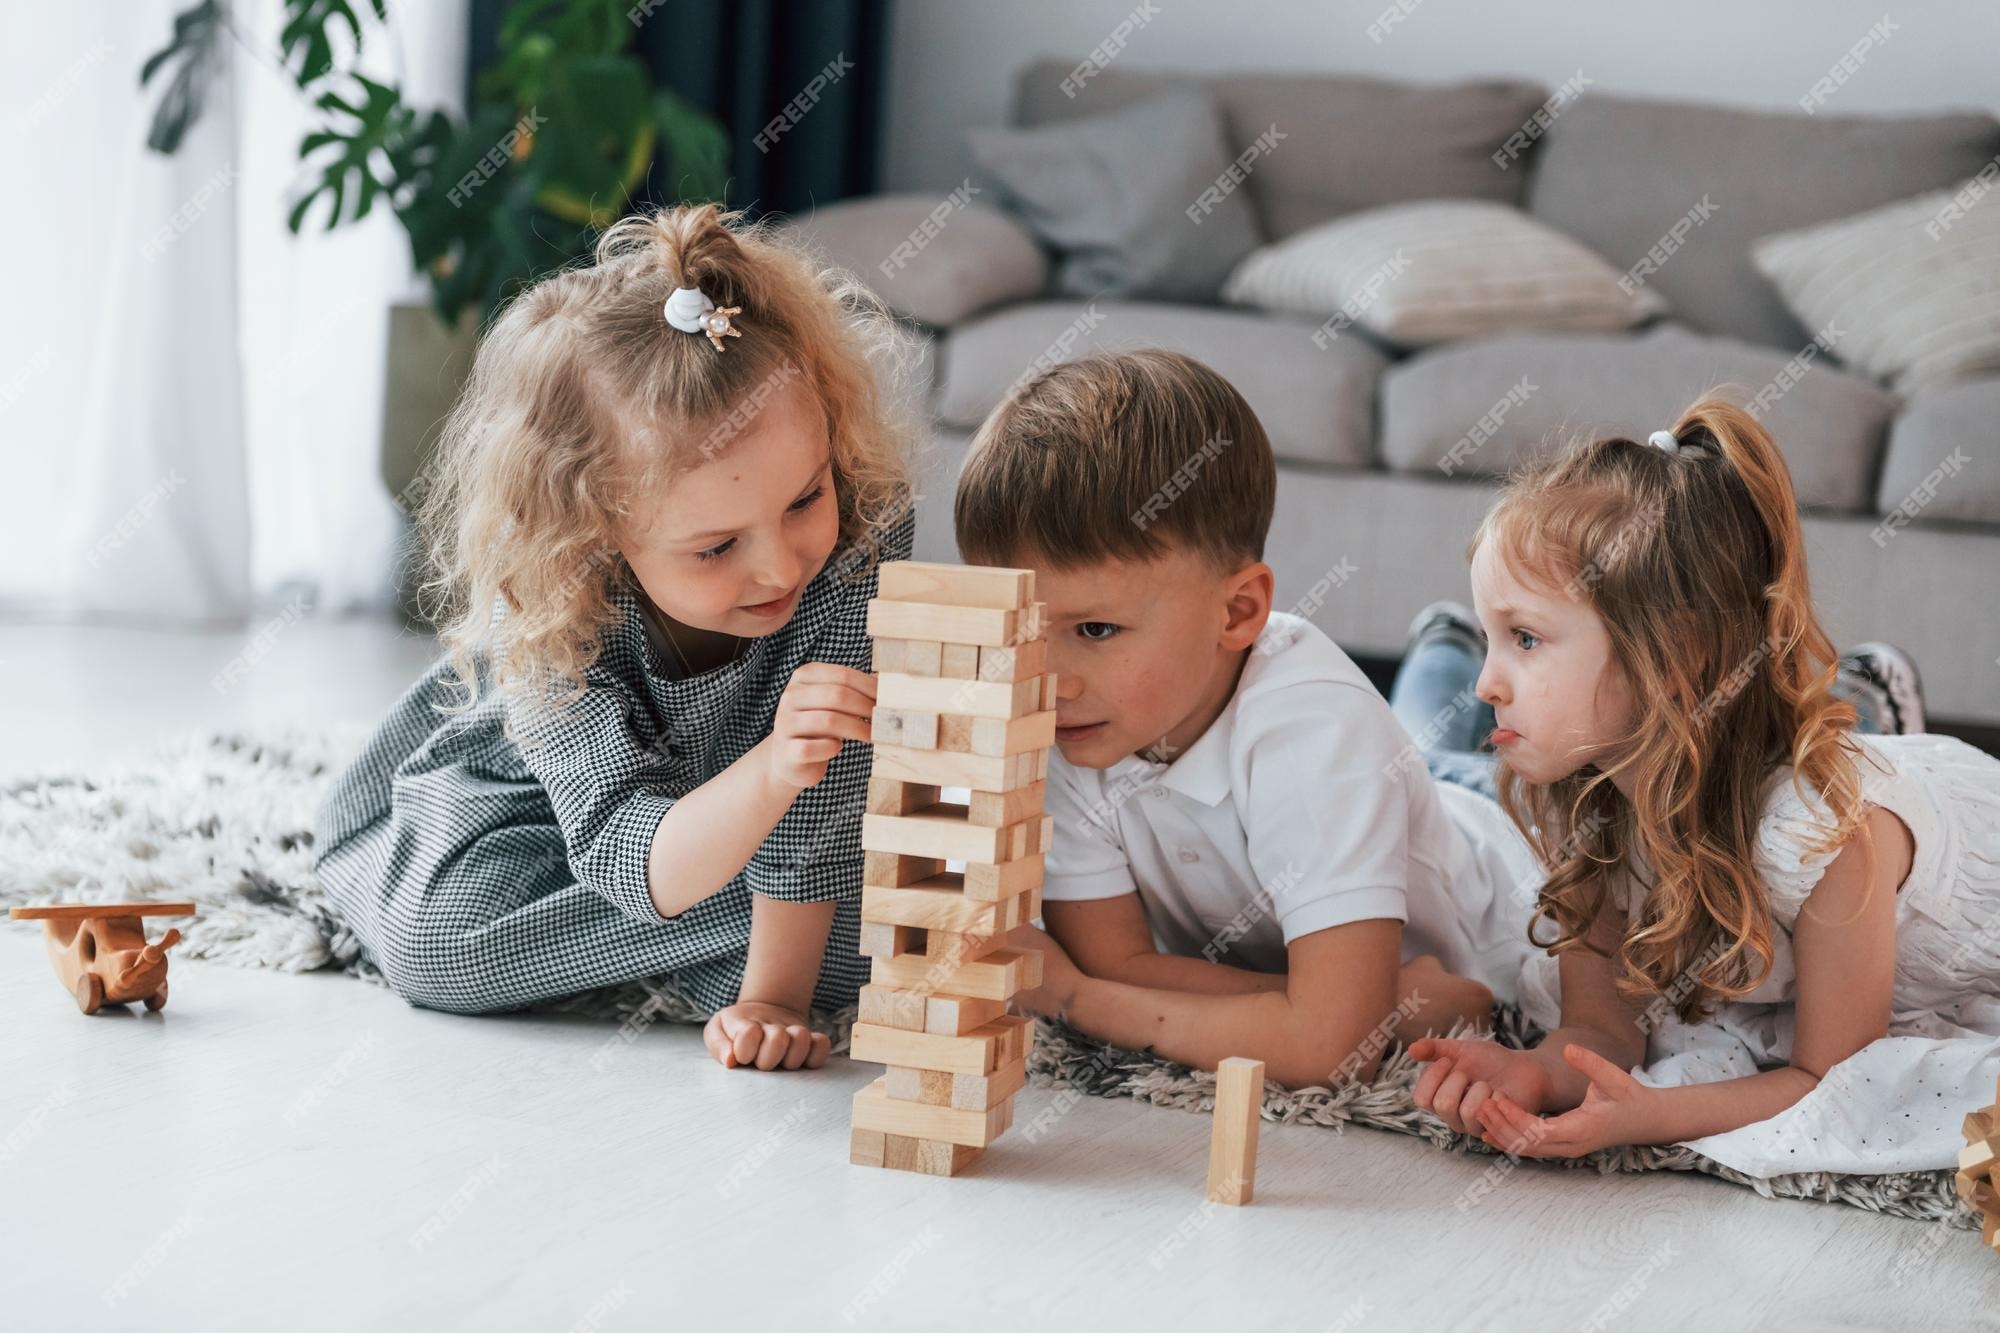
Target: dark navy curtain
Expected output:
[745,62]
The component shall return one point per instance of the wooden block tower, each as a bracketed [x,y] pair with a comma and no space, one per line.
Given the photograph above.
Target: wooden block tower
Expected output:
[963,699]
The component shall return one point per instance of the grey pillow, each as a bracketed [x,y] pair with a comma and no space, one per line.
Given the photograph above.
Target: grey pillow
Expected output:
[1121,198]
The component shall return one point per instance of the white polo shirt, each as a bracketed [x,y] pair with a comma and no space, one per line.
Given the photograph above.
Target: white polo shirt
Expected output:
[1304,806]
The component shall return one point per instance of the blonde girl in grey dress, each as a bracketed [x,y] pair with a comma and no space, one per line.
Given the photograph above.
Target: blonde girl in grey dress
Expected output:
[654,521]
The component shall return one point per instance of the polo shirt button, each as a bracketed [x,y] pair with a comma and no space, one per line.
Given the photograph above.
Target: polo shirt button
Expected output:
[1156,792]
[1189,856]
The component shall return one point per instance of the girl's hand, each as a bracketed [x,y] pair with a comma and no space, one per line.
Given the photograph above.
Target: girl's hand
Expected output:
[1616,1109]
[1465,1075]
[765,1035]
[1060,975]
[822,706]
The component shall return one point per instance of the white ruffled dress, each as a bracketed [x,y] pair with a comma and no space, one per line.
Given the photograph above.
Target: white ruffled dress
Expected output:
[1896,1104]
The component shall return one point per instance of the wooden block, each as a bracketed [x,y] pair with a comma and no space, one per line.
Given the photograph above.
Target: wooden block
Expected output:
[889,655]
[1979,1125]
[1049,690]
[1232,1146]
[1007,879]
[960,661]
[955,732]
[966,1092]
[926,1157]
[942,830]
[882,941]
[1041,765]
[939,903]
[874,1108]
[1025,660]
[956,1015]
[900,726]
[867,1147]
[893,796]
[941,768]
[974,1053]
[995,808]
[996,735]
[892,1008]
[1017,1036]
[948,624]
[957,948]
[1975,1159]
[921,657]
[974,698]
[955,585]
[995,977]
[892,869]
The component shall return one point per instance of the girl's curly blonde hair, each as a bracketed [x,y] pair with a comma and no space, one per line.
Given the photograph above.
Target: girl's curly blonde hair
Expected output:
[1695,562]
[582,397]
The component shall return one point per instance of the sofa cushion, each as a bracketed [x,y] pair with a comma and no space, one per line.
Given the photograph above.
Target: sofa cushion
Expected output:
[934,259]
[1619,173]
[1911,291]
[1484,407]
[1353,142]
[1943,461]
[1116,196]
[1317,406]
[1437,271]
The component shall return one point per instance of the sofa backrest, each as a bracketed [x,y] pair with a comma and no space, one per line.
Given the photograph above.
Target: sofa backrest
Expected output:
[1618,173]
[1351,143]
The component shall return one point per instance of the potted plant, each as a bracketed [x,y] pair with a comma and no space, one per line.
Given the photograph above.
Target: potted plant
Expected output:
[561,136]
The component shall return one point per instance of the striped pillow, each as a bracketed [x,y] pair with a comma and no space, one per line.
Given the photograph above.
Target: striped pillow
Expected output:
[1908,293]
[1439,271]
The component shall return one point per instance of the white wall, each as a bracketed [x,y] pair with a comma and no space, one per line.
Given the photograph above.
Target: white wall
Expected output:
[954,59]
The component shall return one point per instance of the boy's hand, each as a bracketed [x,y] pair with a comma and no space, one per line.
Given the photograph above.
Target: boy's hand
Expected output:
[1060,976]
[1463,1074]
[823,705]
[768,1036]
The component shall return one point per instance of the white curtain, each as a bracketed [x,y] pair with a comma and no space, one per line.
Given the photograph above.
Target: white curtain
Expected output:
[190,397]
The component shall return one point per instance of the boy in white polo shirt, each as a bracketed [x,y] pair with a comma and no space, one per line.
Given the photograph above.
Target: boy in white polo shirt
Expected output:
[1249,856]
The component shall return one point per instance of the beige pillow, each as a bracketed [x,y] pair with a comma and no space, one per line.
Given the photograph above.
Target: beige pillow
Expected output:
[1908,293]
[1439,271]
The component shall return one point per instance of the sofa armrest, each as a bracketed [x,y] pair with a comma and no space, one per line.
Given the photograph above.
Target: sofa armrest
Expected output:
[935,260]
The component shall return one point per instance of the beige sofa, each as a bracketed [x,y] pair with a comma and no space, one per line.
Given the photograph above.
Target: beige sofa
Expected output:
[1370,525]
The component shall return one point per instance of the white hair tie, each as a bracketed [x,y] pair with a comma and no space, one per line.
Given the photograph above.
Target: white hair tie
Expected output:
[690,311]
[1664,441]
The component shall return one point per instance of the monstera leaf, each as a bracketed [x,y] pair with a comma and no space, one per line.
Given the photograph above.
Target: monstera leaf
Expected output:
[364,151]
[304,45]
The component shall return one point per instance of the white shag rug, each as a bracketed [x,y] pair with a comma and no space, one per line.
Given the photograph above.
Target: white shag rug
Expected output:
[226,821]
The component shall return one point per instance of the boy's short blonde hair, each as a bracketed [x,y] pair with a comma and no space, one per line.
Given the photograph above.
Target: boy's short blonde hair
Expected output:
[1121,456]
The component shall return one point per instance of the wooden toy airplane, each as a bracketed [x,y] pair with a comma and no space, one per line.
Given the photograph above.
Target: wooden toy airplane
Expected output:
[100,950]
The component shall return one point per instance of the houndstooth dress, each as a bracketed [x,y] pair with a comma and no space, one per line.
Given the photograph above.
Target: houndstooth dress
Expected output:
[482,876]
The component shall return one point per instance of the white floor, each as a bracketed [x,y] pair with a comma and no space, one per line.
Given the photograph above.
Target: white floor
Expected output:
[309,1152]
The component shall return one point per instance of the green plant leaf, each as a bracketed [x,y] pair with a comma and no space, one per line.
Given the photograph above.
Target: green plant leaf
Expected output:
[198,36]
[304,44]
[696,148]
[365,156]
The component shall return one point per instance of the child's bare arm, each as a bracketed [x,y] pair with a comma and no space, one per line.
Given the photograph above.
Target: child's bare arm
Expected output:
[768,1025]
[1340,985]
[1110,940]
[710,834]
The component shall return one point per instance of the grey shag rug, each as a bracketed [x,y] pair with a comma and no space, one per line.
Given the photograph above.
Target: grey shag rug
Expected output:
[226,821]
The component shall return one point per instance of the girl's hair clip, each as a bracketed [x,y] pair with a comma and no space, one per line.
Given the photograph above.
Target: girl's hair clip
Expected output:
[691,312]
[1664,441]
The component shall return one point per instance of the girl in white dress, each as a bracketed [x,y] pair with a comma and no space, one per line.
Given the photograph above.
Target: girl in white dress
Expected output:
[1772,938]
